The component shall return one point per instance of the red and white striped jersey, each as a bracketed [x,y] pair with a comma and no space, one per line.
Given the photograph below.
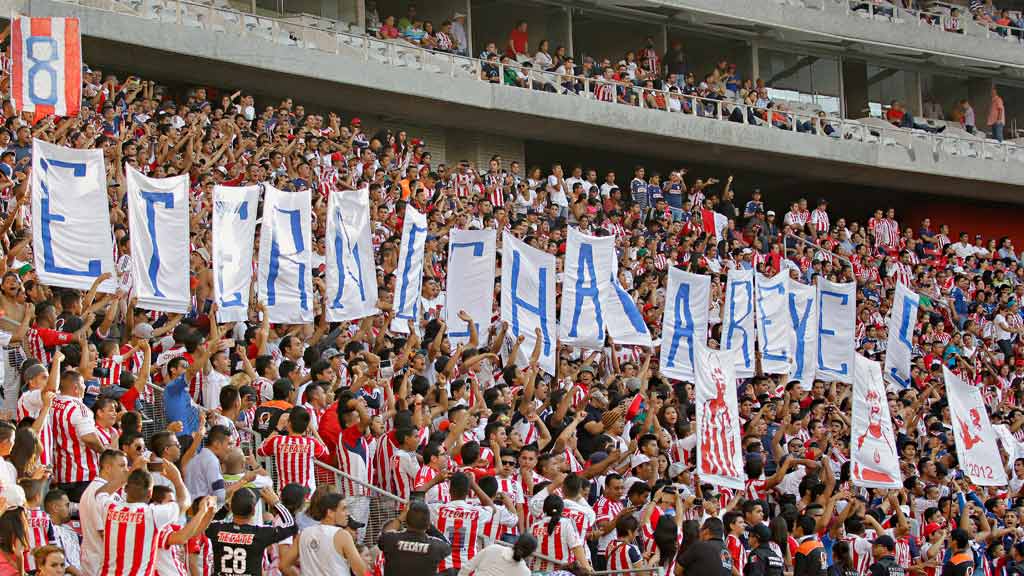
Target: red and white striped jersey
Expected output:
[860,551]
[170,559]
[462,524]
[554,543]
[354,460]
[820,220]
[71,421]
[383,461]
[293,458]
[39,340]
[200,546]
[131,534]
[514,488]
[438,493]
[404,468]
[606,510]
[582,517]
[622,555]
[902,552]
[738,552]
[114,365]
[29,405]
[108,436]
[39,532]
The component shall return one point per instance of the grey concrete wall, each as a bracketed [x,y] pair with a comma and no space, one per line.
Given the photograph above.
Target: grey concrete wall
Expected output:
[605,37]
[190,55]
[704,51]
[855,88]
[492,21]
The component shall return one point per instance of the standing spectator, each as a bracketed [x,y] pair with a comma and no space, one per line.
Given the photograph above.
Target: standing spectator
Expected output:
[74,434]
[326,548]
[996,115]
[674,62]
[413,551]
[295,452]
[458,34]
[203,474]
[518,41]
[113,468]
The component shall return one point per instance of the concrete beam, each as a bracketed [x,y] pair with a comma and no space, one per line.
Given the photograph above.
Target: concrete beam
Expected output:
[324,80]
[796,67]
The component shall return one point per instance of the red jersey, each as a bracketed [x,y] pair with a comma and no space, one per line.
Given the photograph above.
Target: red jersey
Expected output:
[293,458]
[462,524]
[622,556]
[606,511]
[131,535]
[40,533]
[554,543]
[738,552]
[71,421]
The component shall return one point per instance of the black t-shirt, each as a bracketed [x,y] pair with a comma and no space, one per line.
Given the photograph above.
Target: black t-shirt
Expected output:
[886,566]
[706,558]
[585,441]
[411,553]
[238,549]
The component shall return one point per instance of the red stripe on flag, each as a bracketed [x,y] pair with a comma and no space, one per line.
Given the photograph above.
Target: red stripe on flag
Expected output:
[17,44]
[72,66]
[41,27]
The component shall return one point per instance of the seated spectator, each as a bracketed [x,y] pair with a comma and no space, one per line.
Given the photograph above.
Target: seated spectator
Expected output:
[899,116]
[388,30]
[953,22]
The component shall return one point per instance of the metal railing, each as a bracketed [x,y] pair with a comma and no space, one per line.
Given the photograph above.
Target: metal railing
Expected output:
[323,35]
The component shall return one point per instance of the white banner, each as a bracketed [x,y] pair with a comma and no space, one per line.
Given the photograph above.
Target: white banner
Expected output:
[837,327]
[234,230]
[874,462]
[351,275]
[409,279]
[623,320]
[470,282]
[738,321]
[719,455]
[975,439]
[775,335]
[285,265]
[900,346]
[158,218]
[685,324]
[528,299]
[46,66]
[803,317]
[71,238]
[588,265]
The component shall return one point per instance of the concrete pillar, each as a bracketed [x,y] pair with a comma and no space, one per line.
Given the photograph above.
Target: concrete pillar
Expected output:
[915,98]
[470,51]
[979,94]
[568,24]
[855,88]
[663,41]
[755,62]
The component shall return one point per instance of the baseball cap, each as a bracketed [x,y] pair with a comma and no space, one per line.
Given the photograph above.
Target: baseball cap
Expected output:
[37,369]
[330,353]
[144,331]
[676,469]
[763,533]
[638,460]
[771,212]
[931,528]
[354,524]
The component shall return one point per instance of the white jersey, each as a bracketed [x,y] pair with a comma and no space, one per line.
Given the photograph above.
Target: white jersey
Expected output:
[317,553]
[131,536]
[93,517]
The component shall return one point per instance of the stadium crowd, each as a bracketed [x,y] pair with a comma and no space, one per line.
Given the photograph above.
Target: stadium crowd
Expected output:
[589,470]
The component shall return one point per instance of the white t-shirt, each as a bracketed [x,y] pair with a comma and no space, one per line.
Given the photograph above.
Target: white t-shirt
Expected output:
[558,194]
[215,381]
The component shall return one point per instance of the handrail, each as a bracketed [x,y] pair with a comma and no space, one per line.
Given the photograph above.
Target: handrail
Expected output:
[355,480]
[398,52]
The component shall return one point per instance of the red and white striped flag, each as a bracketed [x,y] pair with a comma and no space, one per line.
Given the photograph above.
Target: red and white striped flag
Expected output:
[719,458]
[46,61]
